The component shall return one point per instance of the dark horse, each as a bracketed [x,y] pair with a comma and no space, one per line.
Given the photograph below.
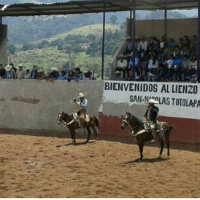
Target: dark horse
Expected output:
[142,134]
[93,123]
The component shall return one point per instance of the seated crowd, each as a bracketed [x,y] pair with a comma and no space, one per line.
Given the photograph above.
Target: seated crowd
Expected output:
[10,72]
[158,60]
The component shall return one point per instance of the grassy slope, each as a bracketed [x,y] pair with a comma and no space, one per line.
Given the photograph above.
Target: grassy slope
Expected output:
[49,57]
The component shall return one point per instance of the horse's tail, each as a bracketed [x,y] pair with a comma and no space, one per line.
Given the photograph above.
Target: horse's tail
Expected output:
[96,121]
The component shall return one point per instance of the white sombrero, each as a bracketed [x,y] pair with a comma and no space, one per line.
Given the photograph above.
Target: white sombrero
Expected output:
[54,68]
[153,101]
[81,94]
[8,67]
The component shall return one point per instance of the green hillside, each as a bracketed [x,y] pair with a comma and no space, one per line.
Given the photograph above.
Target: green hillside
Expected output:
[66,51]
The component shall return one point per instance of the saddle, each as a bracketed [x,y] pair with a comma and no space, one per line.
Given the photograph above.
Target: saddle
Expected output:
[76,116]
[158,128]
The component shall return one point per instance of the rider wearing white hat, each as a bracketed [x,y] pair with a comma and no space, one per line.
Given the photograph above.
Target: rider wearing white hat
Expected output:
[151,115]
[81,113]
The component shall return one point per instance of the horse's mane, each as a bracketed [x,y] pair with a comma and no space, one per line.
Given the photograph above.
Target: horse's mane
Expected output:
[67,116]
[138,121]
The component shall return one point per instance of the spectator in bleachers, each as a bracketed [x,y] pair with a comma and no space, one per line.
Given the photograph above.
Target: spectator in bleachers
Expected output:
[132,65]
[142,49]
[118,76]
[176,64]
[184,67]
[10,72]
[88,75]
[170,61]
[138,74]
[128,46]
[177,50]
[27,74]
[163,44]
[2,71]
[171,43]
[193,45]
[137,42]
[156,47]
[13,67]
[42,75]
[34,72]
[180,42]
[54,74]
[20,72]
[152,68]
[70,75]
[62,75]
[192,70]
[151,44]
[162,68]
[122,64]
[185,43]
[78,75]
[168,52]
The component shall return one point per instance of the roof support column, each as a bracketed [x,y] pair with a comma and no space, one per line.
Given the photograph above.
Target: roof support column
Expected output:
[165,23]
[198,43]
[103,43]
[3,44]
[1,29]
[133,39]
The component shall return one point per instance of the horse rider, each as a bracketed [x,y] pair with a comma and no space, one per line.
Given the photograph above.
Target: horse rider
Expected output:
[81,113]
[151,116]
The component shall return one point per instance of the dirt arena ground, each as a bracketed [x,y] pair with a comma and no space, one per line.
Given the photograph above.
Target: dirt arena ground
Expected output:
[35,167]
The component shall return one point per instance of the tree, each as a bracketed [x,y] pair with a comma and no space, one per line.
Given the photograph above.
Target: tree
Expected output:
[113,19]
[93,49]
[43,44]
[91,37]
[60,47]
[123,26]
[27,47]
[11,48]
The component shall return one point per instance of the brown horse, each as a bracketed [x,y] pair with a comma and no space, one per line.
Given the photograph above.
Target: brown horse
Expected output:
[142,133]
[92,123]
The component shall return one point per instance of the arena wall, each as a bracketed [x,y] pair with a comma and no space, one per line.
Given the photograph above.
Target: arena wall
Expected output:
[175,28]
[34,105]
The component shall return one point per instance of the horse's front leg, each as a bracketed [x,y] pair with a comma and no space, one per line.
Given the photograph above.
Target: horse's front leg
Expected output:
[168,147]
[72,132]
[141,151]
[161,147]
[89,133]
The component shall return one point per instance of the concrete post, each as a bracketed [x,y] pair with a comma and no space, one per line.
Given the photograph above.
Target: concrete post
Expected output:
[3,45]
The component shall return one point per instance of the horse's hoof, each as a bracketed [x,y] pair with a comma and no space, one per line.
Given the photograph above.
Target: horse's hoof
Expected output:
[168,157]
[160,156]
[140,160]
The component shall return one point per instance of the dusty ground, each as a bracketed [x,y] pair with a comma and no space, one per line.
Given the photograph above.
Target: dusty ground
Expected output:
[32,166]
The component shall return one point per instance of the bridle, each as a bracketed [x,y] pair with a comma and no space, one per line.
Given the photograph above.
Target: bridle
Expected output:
[127,122]
[60,120]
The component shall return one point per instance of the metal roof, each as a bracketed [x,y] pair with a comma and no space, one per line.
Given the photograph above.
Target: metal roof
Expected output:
[95,6]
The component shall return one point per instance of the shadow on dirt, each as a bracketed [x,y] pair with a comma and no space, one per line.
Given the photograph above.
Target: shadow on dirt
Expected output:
[77,144]
[145,160]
